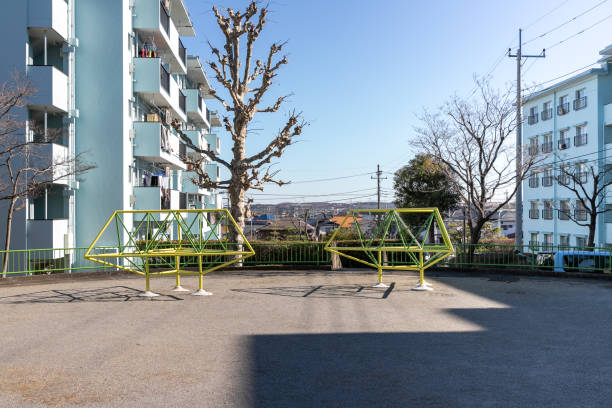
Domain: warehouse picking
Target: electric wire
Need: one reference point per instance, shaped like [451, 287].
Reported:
[546, 14]
[580, 32]
[564, 23]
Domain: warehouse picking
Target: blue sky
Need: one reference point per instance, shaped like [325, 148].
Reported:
[362, 71]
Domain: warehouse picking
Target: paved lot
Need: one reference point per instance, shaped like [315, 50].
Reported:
[308, 339]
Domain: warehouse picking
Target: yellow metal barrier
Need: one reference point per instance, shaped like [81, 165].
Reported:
[152, 243]
[382, 232]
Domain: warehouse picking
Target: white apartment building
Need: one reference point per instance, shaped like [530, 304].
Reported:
[570, 124]
[111, 76]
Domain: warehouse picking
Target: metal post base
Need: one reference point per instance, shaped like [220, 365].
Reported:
[380, 285]
[201, 292]
[426, 283]
[148, 293]
[423, 287]
[180, 289]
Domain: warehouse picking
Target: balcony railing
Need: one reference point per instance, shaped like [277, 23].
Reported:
[582, 177]
[547, 114]
[533, 182]
[182, 101]
[182, 52]
[183, 201]
[563, 179]
[182, 151]
[547, 181]
[534, 244]
[199, 102]
[533, 150]
[563, 109]
[563, 144]
[580, 140]
[547, 214]
[164, 77]
[547, 147]
[580, 103]
[534, 214]
[580, 215]
[532, 119]
[547, 246]
[564, 214]
[164, 17]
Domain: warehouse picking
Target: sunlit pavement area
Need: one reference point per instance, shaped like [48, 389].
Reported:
[308, 339]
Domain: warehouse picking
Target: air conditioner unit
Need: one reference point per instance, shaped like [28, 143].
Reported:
[563, 146]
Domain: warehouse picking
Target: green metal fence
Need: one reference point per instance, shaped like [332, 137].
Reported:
[467, 257]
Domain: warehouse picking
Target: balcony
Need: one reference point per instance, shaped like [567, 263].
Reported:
[156, 198]
[533, 182]
[582, 177]
[563, 109]
[213, 143]
[563, 214]
[157, 144]
[51, 14]
[534, 214]
[156, 86]
[196, 108]
[196, 74]
[52, 88]
[580, 140]
[547, 147]
[547, 181]
[546, 114]
[547, 214]
[47, 233]
[533, 150]
[152, 20]
[580, 215]
[563, 144]
[52, 154]
[188, 186]
[213, 172]
[532, 119]
[563, 179]
[580, 103]
[213, 118]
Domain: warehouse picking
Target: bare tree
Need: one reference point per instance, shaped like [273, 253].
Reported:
[588, 183]
[245, 80]
[26, 167]
[472, 140]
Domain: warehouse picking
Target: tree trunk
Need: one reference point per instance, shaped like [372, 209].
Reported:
[236, 196]
[592, 225]
[7, 244]
[475, 233]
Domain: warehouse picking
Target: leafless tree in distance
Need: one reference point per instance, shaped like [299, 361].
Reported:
[472, 139]
[26, 165]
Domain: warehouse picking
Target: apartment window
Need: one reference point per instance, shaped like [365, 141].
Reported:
[581, 175]
[564, 141]
[581, 136]
[564, 241]
[547, 178]
[533, 146]
[533, 240]
[564, 210]
[547, 212]
[581, 242]
[548, 143]
[533, 180]
[563, 107]
[564, 175]
[547, 111]
[533, 211]
[533, 115]
[580, 213]
[548, 242]
[581, 100]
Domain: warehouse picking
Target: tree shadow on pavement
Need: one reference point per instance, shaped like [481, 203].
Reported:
[107, 294]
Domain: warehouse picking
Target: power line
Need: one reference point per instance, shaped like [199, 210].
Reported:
[546, 15]
[331, 178]
[580, 32]
[564, 23]
[560, 76]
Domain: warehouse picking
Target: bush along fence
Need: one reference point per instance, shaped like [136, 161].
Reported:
[528, 257]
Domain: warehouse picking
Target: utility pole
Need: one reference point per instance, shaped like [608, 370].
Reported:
[518, 234]
[378, 178]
